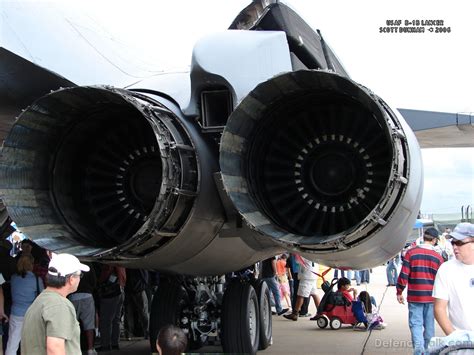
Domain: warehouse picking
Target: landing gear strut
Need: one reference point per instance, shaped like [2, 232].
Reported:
[236, 313]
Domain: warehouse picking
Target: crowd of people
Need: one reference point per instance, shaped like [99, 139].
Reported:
[437, 270]
[48, 295]
[439, 286]
[109, 302]
[293, 279]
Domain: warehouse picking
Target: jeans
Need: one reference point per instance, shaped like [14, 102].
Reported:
[109, 320]
[14, 334]
[275, 289]
[357, 277]
[136, 304]
[421, 322]
[85, 309]
[392, 274]
[364, 276]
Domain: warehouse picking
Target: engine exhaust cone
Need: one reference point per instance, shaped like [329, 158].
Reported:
[93, 166]
[309, 155]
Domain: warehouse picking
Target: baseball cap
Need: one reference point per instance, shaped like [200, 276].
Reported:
[65, 264]
[462, 231]
[432, 232]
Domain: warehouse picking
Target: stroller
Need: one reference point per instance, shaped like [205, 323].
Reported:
[335, 310]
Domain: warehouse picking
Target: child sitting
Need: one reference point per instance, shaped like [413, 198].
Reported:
[344, 286]
[375, 321]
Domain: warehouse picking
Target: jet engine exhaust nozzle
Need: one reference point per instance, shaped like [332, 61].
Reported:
[87, 168]
[310, 156]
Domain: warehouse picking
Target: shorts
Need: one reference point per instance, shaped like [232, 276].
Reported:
[306, 288]
[85, 312]
[284, 289]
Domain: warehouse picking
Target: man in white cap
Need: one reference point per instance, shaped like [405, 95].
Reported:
[50, 325]
[454, 284]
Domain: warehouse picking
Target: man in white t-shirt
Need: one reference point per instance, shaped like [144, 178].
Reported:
[454, 284]
[306, 288]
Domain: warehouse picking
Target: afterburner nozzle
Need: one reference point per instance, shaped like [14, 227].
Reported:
[308, 157]
[85, 169]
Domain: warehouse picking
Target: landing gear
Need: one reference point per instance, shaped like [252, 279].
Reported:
[265, 309]
[236, 313]
[169, 303]
[240, 319]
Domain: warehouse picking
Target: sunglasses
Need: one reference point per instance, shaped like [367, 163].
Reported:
[460, 243]
[78, 275]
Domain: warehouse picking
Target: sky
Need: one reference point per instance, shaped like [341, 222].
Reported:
[449, 180]
[426, 71]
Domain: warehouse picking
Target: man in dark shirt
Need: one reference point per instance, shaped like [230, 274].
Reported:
[269, 276]
[83, 302]
[111, 304]
[136, 302]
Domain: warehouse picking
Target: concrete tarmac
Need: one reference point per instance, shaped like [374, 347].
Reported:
[304, 336]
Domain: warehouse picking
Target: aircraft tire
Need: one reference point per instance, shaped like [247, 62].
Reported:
[168, 302]
[240, 319]
[265, 312]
